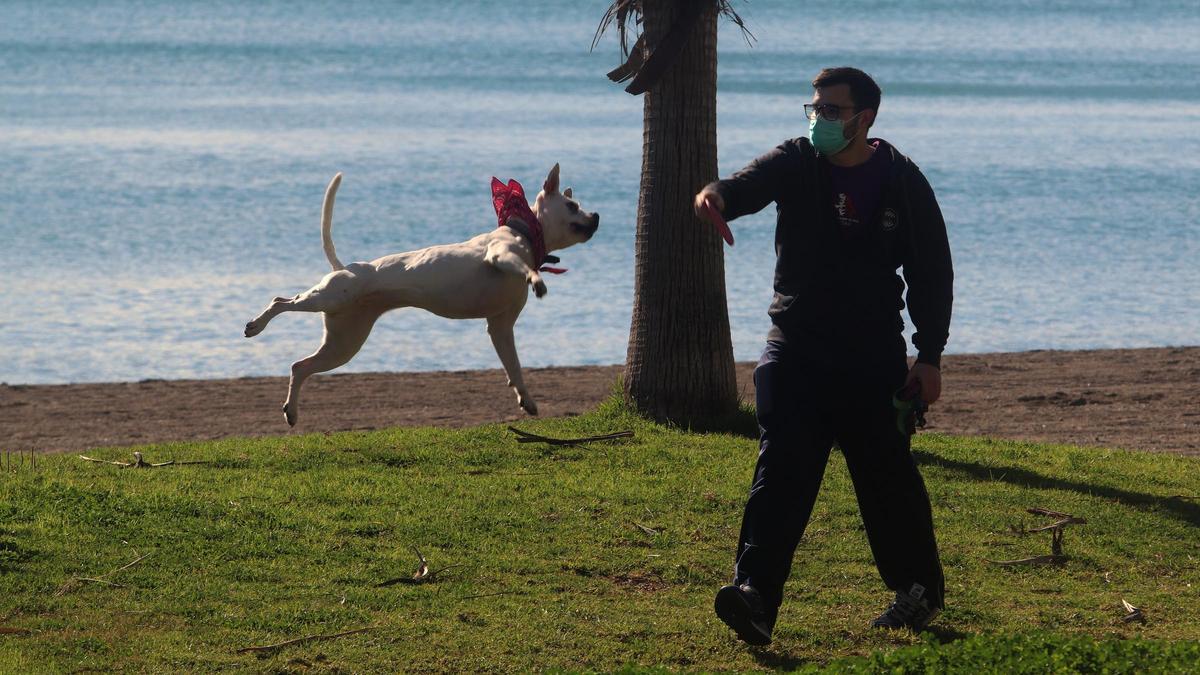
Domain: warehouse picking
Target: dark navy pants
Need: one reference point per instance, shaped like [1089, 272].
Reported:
[804, 408]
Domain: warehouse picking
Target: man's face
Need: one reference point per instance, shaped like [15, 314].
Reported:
[839, 95]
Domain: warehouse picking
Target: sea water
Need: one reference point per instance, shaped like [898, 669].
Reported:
[162, 166]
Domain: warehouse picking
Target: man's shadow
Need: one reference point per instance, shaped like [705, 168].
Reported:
[769, 657]
[1180, 508]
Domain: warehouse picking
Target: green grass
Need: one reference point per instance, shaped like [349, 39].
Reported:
[595, 558]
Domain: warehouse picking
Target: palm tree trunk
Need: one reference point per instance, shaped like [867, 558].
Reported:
[680, 361]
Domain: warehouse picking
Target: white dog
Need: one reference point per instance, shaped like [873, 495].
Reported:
[486, 277]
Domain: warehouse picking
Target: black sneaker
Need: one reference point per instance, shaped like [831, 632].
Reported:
[741, 608]
[909, 610]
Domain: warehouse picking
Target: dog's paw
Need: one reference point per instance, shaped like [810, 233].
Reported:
[289, 414]
[539, 288]
[252, 328]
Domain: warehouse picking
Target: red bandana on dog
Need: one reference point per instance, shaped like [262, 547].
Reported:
[509, 201]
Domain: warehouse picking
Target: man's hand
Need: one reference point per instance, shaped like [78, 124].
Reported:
[930, 379]
[712, 196]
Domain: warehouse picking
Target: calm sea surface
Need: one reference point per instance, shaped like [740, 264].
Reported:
[162, 166]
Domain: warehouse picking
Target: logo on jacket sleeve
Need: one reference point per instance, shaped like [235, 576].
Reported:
[890, 220]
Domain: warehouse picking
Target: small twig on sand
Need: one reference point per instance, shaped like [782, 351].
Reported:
[301, 640]
[1132, 613]
[526, 437]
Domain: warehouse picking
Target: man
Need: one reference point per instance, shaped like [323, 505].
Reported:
[851, 211]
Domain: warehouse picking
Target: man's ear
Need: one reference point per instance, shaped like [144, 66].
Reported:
[567, 193]
[869, 118]
[551, 185]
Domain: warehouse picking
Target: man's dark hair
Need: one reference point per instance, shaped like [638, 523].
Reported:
[863, 90]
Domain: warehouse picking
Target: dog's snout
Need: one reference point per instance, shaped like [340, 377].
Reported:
[595, 221]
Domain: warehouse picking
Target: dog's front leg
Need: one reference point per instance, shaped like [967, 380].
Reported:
[503, 258]
[500, 328]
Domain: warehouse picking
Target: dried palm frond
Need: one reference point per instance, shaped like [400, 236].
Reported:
[622, 11]
[725, 9]
[619, 12]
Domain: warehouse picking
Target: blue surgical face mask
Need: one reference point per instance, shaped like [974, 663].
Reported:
[827, 135]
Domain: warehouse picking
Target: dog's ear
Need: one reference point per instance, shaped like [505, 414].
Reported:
[567, 193]
[551, 185]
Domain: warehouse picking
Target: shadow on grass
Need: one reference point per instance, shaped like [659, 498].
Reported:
[777, 660]
[1182, 509]
[945, 635]
[741, 422]
[783, 660]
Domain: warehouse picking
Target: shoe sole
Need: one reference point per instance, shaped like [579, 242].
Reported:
[733, 609]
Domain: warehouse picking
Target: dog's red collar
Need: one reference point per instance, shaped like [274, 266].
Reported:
[511, 205]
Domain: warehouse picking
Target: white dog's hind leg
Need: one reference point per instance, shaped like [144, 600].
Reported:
[500, 328]
[344, 336]
[333, 292]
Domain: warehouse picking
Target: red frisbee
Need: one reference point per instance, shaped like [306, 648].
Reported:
[715, 216]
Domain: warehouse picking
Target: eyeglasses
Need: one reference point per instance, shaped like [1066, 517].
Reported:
[828, 111]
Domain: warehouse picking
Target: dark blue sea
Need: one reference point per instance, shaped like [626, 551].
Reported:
[162, 166]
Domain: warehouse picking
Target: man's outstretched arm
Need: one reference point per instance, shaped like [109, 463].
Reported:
[750, 189]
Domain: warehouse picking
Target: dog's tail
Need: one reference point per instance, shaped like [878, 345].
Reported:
[327, 223]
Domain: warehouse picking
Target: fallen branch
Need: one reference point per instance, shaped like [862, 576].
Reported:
[526, 437]
[139, 462]
[301, 640]
[9, 630]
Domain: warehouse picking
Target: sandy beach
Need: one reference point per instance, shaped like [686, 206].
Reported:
[1143, 399]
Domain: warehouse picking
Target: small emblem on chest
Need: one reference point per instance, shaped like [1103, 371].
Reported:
[890, 220]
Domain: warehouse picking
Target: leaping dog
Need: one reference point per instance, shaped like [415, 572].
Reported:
[486, 277]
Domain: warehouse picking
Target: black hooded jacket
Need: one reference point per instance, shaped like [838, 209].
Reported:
[837, 293]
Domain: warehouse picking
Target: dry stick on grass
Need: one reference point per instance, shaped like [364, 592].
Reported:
[1132, 613]
[139, 462]
[648, 530]
[1056, 556]
[422, 576]
[75, 582]
[301, 640]
[526, 437]
[488, 595]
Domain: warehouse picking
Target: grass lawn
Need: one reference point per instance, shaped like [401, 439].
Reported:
[596, 557]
